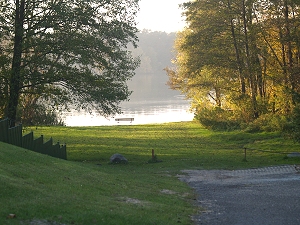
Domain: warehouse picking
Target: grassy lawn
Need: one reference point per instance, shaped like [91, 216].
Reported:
[86, 189]
[183, 145]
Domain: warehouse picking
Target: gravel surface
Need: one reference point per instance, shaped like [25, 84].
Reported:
[266, 196]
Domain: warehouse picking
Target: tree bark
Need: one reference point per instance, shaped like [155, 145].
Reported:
[15, 79]
[289, 51]
[249, 63]
[237, 54]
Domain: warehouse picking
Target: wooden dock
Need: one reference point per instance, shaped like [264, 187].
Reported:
[124, 120]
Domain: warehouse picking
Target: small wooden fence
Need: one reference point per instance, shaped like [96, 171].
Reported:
[14, 136]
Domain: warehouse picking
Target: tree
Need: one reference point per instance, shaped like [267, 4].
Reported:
[205, 61]
[249, 47]
[70, 53]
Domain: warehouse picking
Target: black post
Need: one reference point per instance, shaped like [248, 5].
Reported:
[245, 155]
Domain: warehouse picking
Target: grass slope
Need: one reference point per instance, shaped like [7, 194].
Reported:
[36, 187]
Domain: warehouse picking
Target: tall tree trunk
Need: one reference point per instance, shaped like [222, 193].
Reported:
[289, 52]
[237, 53]
[256, 67]
[218, 97]
[287, 106]
[15, 79]
[249, 66]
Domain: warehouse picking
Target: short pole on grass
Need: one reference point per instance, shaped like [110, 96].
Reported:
[154, 158]
[245, 155]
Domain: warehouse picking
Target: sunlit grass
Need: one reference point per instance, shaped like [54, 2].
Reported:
[179, 145]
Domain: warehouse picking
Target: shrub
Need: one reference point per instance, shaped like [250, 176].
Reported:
[266, 122]
[217, 119]
[292, 126]
[39, 114]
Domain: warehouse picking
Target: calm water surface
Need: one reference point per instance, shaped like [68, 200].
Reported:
[144, 112]
[151, 102]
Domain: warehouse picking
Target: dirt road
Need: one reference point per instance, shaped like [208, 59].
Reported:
[266, 196]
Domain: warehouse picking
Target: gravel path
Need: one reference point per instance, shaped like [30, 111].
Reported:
[267, 196]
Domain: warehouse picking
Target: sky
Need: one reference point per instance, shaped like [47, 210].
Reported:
[160, 15]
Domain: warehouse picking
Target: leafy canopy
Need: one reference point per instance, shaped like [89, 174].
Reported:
[72, 52]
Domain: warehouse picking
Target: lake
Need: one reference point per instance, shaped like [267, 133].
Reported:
[151, 102]
[146, 112]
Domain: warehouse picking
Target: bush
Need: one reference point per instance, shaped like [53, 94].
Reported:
[217, 119]
[267, 122]
[226, 120]
[38, 114]
[292, 126]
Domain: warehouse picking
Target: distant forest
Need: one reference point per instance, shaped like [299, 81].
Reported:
[156, 50]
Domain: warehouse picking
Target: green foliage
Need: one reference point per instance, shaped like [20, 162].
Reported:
[217, 119]
[38, 114]
[226, 120]
[70, 53]
[292, 127]
[4, 69]
[33, 110]
[242, 107]
[267, 123]
[229, 57]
